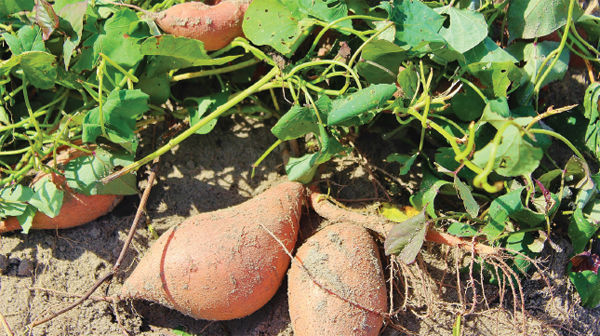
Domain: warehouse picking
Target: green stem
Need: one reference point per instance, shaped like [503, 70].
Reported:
[555, 54]
[580, 39]
[325, 62]
[187, 133]
[11, 95]
[120, 68]
[561, 138]
[205, 73]
[32, 118]
[264, 155]
[100, 75]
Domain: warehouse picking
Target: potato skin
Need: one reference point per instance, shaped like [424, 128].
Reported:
[222, 265]
[344, 259]
[215, 25]
[77, 209]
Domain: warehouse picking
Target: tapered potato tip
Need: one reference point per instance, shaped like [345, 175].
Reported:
[223, 264]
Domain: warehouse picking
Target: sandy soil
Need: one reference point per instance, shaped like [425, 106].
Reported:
[211, 172]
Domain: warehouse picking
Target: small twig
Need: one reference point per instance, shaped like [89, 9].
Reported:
[71, 295]
[7, 329]
[117, 264]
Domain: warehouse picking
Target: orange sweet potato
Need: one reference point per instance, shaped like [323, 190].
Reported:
[336, 284]
[77, 209]
[223, 264]
[215, 25]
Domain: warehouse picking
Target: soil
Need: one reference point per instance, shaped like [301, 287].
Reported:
[40, 270]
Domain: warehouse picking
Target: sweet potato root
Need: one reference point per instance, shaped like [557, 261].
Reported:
[77, 209]
[224, 264]
[336, 284]
[215, 25]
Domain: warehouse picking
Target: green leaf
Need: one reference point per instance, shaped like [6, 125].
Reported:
[515, 155]
[510, 206]
[120, 111]
[587, 284]
[496, 76]
[418, 25]
[592, 112]
[534, 54]
[459, 229]
[157, 86]
[26, 218]
[39, 68]
[467, 28]
[298, 121]
[28, 38]
[171, 52]
[488, 51]
[467, 105]
[381, 61]
[408, 79]
[520, 242]
[280, 24]
[47, 198]
[326, 10]
[534, 18]
[118, 41]
[303, 169]
[581, 229]
[590, 102]
[428, 190]
[203, 107]
[406, 161]
[46, 18]
[73, 12]
[9, 7]
[406, 238]
[12, 200]
[84, 174]
[360, 102]
[465, 194]
[496, 112]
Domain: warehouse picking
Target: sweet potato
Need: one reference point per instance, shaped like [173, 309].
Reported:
[224, 264]
[336, 284]
[77, 209]
[215, 25]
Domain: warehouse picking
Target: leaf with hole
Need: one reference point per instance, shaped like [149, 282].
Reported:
[417, 25]
[467, 28]
[281, 24]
